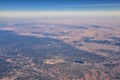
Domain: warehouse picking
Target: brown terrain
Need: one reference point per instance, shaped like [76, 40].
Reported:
[97, 36]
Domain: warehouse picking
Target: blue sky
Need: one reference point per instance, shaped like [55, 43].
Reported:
[58, 5]
[28, 8]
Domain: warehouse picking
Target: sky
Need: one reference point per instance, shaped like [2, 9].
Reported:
[60, 7]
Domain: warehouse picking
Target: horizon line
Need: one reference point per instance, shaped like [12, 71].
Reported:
[58, 13]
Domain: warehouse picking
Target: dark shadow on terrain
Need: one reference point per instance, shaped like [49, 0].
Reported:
[75, 27]
[39, 49]
[116, 41]
[89, 40]
[35, 47]
[4, 66]
[96, 26]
